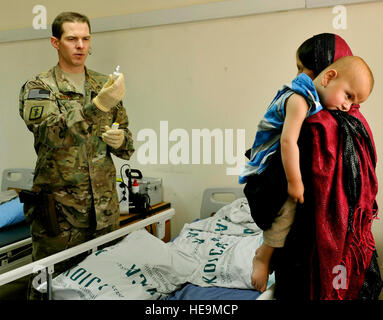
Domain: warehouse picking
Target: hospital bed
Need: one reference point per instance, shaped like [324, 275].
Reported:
[202, 262]
[213, 199]
[15, 238]
[16, 243]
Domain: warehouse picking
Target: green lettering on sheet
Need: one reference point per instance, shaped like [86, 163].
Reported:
[221, 227]
[212, 252]
[132, 271]
[80, 272]
[211, 280]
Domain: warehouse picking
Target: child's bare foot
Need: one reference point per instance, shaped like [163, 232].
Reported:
[260, 274]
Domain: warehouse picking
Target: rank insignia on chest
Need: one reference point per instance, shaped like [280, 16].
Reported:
[36, 112]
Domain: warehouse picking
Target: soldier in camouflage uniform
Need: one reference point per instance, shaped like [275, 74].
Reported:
[73, 141]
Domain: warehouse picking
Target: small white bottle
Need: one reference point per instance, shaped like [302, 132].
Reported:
[114, 126]
[116, 72]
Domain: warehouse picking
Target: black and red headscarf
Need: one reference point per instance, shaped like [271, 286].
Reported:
[330, 247]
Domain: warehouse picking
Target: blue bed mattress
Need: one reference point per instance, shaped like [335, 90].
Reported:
[193, 292]
[14, 233]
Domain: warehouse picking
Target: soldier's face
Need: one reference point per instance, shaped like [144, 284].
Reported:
[73, 47]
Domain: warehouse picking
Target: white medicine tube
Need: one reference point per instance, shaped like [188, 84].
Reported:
[116, 72]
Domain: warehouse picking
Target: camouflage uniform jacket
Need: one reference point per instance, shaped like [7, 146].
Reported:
[72, 160]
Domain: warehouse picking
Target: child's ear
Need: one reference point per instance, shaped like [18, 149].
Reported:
[329, 75]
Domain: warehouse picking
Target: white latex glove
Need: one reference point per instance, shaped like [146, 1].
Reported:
[111, 93]
[113, 138]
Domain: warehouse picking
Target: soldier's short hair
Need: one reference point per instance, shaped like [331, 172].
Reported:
[57, 30]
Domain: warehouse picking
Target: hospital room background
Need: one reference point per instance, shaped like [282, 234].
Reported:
[192, 68]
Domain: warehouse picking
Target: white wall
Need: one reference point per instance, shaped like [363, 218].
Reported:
[210, 74]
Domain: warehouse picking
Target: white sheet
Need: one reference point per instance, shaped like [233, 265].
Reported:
[7, 195]
[217, 251]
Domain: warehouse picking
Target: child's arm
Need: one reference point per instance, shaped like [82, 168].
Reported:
[296, 110]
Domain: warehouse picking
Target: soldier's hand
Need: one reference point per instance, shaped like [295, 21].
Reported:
[113, 138]
[111, 93]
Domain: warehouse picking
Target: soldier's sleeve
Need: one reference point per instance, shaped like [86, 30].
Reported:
[36, 103]
[92, 113]
[127, 148]
[51, 126]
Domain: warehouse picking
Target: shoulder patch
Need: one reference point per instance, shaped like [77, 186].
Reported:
[38, 94]
[36, 112]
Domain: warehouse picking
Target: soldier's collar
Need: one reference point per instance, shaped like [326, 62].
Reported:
[65, 86]
[62, 83]
[90, 82]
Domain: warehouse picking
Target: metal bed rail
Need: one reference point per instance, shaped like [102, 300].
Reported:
[47, 264]
[15, 245]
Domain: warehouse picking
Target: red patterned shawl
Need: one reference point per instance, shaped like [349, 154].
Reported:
[335, 245]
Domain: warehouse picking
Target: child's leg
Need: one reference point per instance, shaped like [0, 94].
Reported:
[272, 238]
[261, 266]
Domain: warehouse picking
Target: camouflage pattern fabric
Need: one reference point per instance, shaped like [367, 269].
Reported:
[72, 161]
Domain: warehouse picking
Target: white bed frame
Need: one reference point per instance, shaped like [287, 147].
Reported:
[47, 264]
[17, 178]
